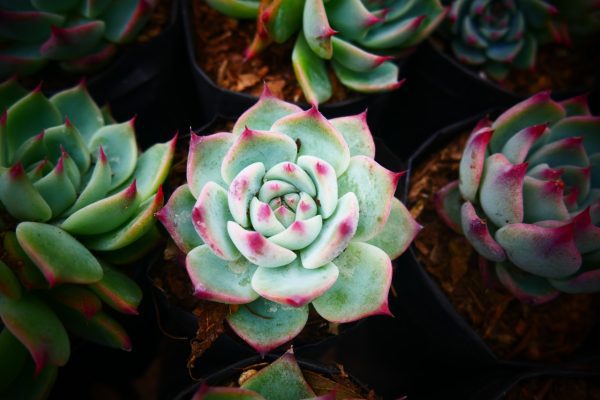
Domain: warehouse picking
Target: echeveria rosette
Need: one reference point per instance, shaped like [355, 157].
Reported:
[528, 197]
[81, 35]
[497, 35]
[289, 209]
[75, 196]
[282, 379]
[358, 37]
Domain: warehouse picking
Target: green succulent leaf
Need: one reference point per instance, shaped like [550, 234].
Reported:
[60, 257]
[118, 290]
[362, 286]
[243, 9]
[36, 326]
[13, 360]
[9, 283]
[280, 380]
[311, 72]
[265, 325]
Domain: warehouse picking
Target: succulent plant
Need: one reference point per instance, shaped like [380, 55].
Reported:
[81, 35]
[286, 210]
[71, 183]
[528, 197]
[357, 36]
[282, 379]
[499, 34]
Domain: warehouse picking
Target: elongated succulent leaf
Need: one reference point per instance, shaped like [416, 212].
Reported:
[118, 290]
[176, 217]
[72, 41]
[60, 257]
[124, 19]
[316, 29]
[9, 283]
[243, 9]
[37, 328]
[311, 72]
[20, 198]
[77, 298]
[379, 79]
[103, 215]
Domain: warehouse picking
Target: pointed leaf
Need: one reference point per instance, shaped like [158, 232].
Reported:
[374, 187]
[264, 113]
[37, 328]
[97, 186]
[176, 217]
[549, 252]
[19, 124]
[258, 249]
[477, 233]
[77, 105]
[543, 200]
[132, 231]
[356, 133]
[316, 137]
[118, 142]
[501, 192]
[536, 110]
[56, 189]
[380, 79]
[399, 231]
[362, 287]
[204, 160]
[335, 235]
[251, 146]
[281, 380]
[209, 216]
[20, 198]
[317, 31]
[311, 72]
[264, 325]
[118, 290]
[218, 280]
[72, 41]
[103, 215]
[471, 163]
[351, 18]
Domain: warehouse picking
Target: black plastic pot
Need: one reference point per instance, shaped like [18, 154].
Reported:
[149, 80]
[217, 101]
[452, 339]
[232, 372]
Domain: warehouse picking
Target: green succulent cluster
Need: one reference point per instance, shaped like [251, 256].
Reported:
[81, 35]
[76, 197]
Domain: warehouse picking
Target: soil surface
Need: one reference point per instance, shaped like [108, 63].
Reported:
[55, 78]
[220, 45]
[556, 388]
[513, 330]
[558, 68]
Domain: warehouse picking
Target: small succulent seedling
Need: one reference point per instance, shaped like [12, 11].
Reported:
[81, 35]
[282, 379]
[287, 210]
[528, 197]
[75, 197]
[357, 36]
[498, 35]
